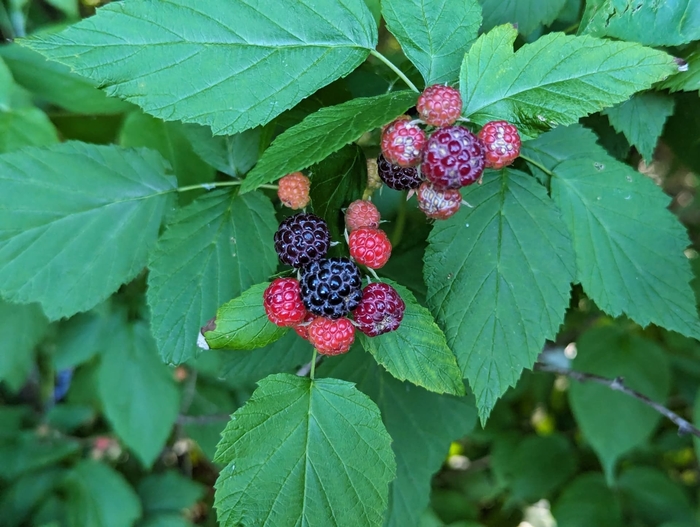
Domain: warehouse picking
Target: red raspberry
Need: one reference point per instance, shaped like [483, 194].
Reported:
[439, 105]
[403, 142]
[361, 213]
[293, 190]
[380, 311]
[331, 337]
[453, 158]
[303, 328]
[283, 304]
[370, 247]
[501, 142]
[438, 203]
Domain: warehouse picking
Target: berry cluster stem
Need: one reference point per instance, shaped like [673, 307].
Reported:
[312, 373]
[396, 70]
[218, 184]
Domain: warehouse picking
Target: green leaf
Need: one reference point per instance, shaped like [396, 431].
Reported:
[242, 324]
[283, 355]
[214, 249]
[302, 451]
[89, 214]
[69, 417]
[137, 391]
[654, 497]
[81, 338]
[167, 519]
[20, 454]
[7, 86]
[696, 422]
[641, 119]
[528, 15]
[234, 154]
[434, 34]
[18, 500]
[587, 501]
[614, 423]
[22, 328]
[69, 8]
[555, 80]
[498, 278]
[324, 132]
[669, 23]
[252, 61]
[25, 127]
[168, 492]
[338, 180]
[535, 466]
[56, 84]
[170, 141]
[99, 496]
[417, 352]
[421, 449]
[686, 80]
[629, 247]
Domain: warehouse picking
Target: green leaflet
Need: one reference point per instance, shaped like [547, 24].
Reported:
[620, 225]
[417, 351]
[498, 278]
[555, 80]
[527, 14]
[22, 328]
[434, 34]
[325, 132]
[100, 211]
[275, 55]
[213, 250]
[242, 324]
[587, 501]
[304, 451]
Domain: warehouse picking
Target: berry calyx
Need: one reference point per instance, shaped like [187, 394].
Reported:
[403, 142]
[293, 190]
[396, 177]
[453, 157]
[438, 203]
[380, 311]
[302, 329]
[361, 213]
[331, 287]
[331, 337]
[439, 105]
[302, 239]
[282, 302]
[501, 143]
[370, 247]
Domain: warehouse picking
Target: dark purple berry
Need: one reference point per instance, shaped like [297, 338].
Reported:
[396, 177]
[302, 239]
[380, 311]
[331, 287]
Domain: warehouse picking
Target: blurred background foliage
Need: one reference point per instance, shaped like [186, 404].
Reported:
[81, 445]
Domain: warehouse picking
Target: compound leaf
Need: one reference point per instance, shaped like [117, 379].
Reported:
[498, 278]
[555, 80]
[303, 451]
[434, 34]
[85, 213]
[252, 60]
[214, 249]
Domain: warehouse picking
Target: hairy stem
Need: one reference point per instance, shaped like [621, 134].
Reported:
[312, 373]
[396, 70]
[618, 385]
[218, 184]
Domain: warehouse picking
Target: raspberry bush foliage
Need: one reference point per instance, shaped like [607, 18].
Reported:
[349, 262]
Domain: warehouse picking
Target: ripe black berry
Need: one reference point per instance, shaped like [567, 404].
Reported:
[302, 239]
[331, 287]
[396, 177]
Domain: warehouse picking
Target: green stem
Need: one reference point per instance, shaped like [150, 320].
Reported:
[400, 224]
[217, 184]
[396, 70]
[538, 165]
[312, 373]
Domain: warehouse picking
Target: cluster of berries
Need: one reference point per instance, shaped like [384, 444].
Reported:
[437, 165]
[328, 290]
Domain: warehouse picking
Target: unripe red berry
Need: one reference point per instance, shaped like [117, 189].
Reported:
[293, 190]
[361, 213]
[331, 337]
[439, 105]
[370, 247]
[283, 303]
[403, 142]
